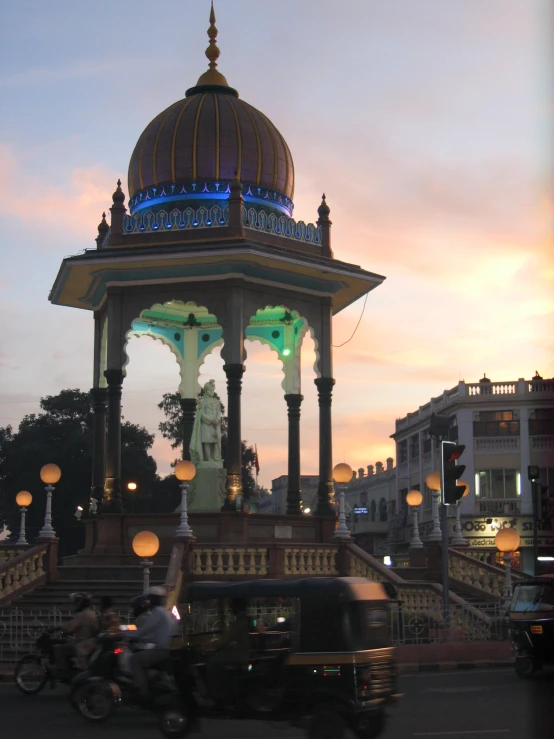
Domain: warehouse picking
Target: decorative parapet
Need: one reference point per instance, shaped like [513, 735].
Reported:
[260, 220]
[230, 560]
[176, 220]
[500, 445]
[540, 443]
[23, 572]
[310, 561]
[520, 388]
[488, 579]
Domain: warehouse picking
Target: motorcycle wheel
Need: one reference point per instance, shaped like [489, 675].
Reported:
[96, 702]
[30, 674]
[173, 723]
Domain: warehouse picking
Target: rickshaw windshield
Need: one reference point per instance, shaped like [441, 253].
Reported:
[368, 624]
[533, 597]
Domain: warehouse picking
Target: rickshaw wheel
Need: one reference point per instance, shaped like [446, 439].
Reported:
[525, 667]
[328, 725]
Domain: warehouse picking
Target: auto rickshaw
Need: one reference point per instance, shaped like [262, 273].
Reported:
[319, 655]
[531, 624]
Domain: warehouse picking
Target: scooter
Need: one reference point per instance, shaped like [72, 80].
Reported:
[109, 683]
[34, 670]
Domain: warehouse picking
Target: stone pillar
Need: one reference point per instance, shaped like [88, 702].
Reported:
[325, 224]
[325, 491]
[112, 500]
[188, 407]
[294, 494]
[99, 399]
[233, 460]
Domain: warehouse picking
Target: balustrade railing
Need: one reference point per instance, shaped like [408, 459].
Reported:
[542, 442]
[490, 580]
[310, 561]
[26, 570]
[499, 445]
[9, 552]
[225, 561]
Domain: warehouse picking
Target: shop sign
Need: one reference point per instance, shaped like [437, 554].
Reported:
[360, 511]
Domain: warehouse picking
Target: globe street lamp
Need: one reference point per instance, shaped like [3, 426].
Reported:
[49, 474]
[342, 474]
[414, 500]
[185, 471]
[433, 482]
[132, 486]
[507, 541]
[146, 545]
[23, 500]
[458, 539]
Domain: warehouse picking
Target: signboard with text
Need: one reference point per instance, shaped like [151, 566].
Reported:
[478, 533]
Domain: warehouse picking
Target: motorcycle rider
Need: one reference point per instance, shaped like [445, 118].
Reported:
[84, 627]
[156, 628]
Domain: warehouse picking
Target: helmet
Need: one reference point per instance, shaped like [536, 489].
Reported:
[156, 595]
[140, 605]
[80, 601]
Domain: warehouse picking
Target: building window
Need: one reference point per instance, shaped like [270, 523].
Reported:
[372, 511]
[542, 422]
[403, 451]
[496, 423]
[383, 510]
[414, 447]
[498, 483]
[426, 443]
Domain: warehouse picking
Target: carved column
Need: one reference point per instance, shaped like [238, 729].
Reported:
[325, 491]
[188, 407]
[233, 460]
[294, 497]
[99, 399]
[112, 500]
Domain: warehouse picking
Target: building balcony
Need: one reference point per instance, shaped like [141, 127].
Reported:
[499, 507]
[497, 444]
[541, 443]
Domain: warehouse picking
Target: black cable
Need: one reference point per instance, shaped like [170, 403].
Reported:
[338, 346]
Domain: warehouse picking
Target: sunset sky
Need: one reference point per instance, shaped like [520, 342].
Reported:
[428, 124]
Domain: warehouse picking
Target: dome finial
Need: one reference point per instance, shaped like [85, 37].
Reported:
[212, 52]
[212, 76]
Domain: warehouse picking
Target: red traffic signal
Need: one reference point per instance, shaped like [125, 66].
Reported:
[451, 472]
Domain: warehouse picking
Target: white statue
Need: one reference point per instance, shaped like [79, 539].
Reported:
[205, 442]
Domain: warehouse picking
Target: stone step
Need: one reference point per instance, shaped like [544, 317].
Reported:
[83, 574]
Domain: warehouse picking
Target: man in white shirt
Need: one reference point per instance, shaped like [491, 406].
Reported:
[157, 629]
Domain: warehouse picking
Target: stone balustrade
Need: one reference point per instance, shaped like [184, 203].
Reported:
[230, 561]
[28, 569]
[9, 551]
[488, 579]
[303, 561]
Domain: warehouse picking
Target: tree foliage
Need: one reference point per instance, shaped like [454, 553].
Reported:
[63, 434]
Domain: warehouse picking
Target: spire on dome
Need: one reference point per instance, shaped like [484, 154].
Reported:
[212, 76]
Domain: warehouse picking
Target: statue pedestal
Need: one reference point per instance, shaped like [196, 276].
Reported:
[207, 490]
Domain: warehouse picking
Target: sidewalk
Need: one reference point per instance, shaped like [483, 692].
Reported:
[453, 656]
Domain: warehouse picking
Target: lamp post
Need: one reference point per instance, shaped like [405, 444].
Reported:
[146, 545]
[49, 474]
[414, 500]
[342, 474]
[507, 541]
[23, 500]
[185, 471]
[458, 539]
[433, 482]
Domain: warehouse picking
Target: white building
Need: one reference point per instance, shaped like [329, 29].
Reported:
[505, 426]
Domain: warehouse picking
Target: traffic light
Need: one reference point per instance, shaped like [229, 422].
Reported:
[451, 472]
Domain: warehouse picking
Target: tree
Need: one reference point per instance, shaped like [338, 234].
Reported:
[172, 429]
[63, 434]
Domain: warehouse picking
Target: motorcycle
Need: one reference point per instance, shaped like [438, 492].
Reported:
[34, 670]
[108, 683]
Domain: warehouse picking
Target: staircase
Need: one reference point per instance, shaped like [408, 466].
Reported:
[23, 618]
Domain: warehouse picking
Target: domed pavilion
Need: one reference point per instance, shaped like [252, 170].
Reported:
[208, 254]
